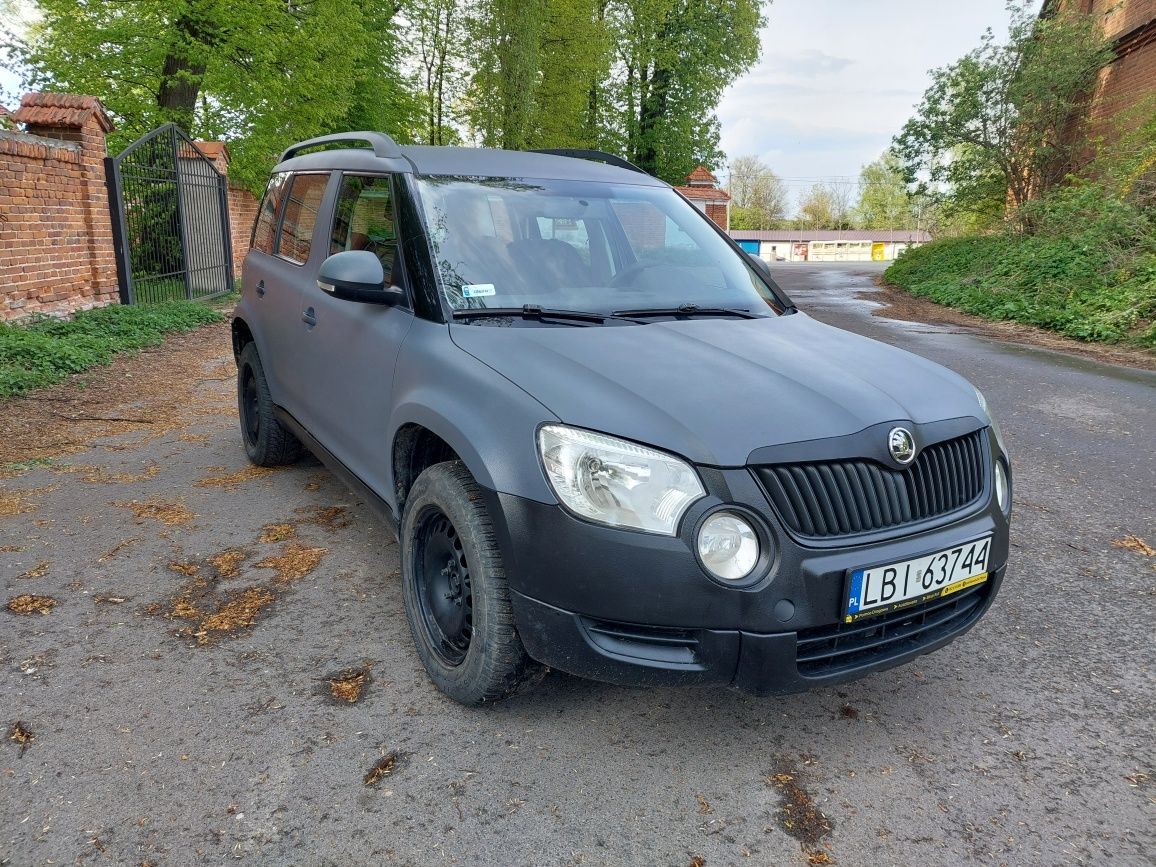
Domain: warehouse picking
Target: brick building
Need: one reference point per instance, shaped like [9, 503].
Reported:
[1126, 90]
[703, 191]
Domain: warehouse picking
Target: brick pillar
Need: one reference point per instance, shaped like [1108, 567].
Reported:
[102, 256]
[57, 236]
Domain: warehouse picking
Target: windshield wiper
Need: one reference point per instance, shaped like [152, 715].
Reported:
[535, 312]
[690, 310]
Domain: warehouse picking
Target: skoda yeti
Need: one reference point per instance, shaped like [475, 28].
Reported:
[606, 439]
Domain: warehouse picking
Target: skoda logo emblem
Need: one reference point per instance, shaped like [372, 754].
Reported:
[901, 444]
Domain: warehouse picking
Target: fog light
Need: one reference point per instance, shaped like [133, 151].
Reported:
[1002, 489]
[728, 546]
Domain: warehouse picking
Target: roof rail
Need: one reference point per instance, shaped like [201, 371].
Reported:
[597, 156]
[383, 145]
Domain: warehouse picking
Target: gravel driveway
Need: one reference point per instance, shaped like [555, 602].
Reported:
[223, 671]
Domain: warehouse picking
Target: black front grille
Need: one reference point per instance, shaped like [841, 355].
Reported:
[828, 650]
[845, 497]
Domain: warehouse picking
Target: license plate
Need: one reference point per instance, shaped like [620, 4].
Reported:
[882, 589]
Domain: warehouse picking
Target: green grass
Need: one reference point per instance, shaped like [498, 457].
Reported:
[1087, 271]
[45, 350]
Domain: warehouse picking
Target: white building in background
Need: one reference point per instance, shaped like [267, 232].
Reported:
[828, 245]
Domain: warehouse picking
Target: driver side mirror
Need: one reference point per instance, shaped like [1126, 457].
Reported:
[357, 275]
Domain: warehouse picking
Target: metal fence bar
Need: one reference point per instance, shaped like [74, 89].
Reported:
[169, 208]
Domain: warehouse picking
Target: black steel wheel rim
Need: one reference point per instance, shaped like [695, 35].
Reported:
[250, 413]
[444, 591]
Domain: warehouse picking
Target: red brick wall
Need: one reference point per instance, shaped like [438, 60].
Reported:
[1126, 90]
[1125, 93]
[718, 213]
[242, 215]
[56, 253]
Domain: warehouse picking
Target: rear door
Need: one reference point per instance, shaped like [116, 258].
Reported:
[272, 298]
[347, 353]
[281, 275]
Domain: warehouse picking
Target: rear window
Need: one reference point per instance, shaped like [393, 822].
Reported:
[266, 227]
[301, 207]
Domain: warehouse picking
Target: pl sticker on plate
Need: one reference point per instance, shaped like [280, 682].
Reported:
[478, 290]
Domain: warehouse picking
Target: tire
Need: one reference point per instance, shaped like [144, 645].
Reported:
[267, 442]
[459, 615]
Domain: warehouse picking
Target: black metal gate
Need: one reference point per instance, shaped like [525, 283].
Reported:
[170, 220]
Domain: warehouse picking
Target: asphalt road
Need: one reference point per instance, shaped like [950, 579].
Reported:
[163, 736]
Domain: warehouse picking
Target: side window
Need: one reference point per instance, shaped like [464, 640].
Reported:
[301, 207]
[364, 220]
[266, 224]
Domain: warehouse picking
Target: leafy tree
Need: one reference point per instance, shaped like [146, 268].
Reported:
[674, 59]
[825, 206]
[436, 33]
[1003, 121]
[261, 72]
[758, 195]
[575, 58]
[817, 208]
[507, 42]
[884, 202]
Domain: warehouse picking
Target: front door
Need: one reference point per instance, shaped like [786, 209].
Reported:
[347, 349]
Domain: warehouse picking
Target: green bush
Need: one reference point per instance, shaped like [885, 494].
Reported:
[1081, 262]
[45, 350]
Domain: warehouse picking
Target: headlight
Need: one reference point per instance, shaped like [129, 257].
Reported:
[617, 482]
[1002, 488]
[728, 546]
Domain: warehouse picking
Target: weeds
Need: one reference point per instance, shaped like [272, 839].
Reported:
[1086, 270]
[44, 350]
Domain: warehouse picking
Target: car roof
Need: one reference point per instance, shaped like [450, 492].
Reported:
[430, 160]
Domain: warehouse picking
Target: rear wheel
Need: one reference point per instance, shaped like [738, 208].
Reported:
[456, 598]
[267, 442]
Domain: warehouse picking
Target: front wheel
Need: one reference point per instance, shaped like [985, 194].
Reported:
[456, 598]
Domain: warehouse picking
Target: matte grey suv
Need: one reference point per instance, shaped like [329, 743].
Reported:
[607, 441]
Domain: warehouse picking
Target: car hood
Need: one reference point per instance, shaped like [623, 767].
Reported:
[714, 390]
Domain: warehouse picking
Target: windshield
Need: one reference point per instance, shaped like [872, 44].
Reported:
[578, 245]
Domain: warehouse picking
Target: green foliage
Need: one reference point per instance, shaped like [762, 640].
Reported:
[758, 195]
[260, 73]
[675, 58]
[1088, 270]
[1004, 119]
[638, 77]
[825, 206]
[45, 350]
[884, 202]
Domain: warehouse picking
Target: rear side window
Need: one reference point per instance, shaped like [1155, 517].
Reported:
[265, 229]
[301, 206]
[364, 220]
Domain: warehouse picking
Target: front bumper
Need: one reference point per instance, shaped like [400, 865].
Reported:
[755, 663]
[637, 609]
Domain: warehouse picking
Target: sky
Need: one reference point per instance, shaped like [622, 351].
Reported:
[838, 78]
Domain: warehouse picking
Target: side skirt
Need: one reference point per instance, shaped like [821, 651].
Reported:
[335, 466]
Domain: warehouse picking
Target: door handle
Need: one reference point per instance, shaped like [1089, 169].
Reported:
[260, 288]
[309, 317]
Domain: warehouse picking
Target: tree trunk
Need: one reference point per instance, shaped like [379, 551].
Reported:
[651, 111]
[180, 86]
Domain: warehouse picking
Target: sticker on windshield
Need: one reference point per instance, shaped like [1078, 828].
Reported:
[478, 290]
